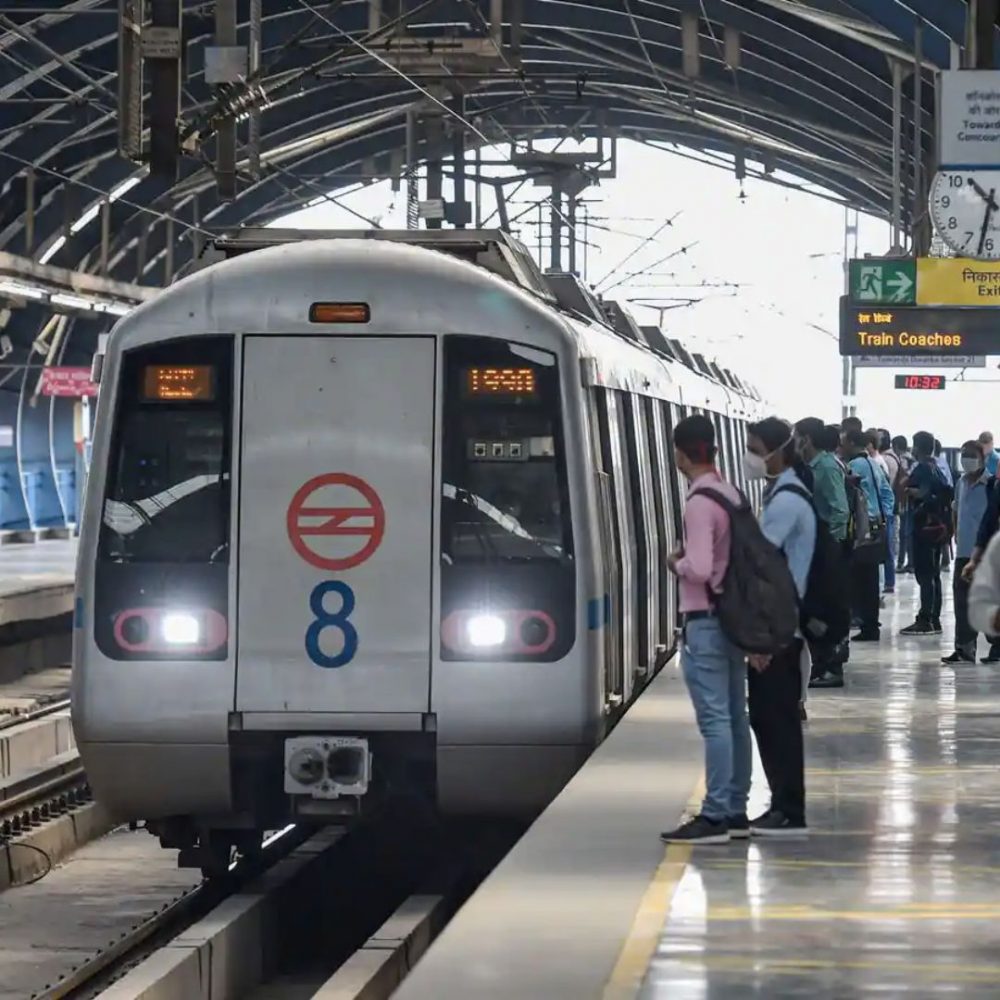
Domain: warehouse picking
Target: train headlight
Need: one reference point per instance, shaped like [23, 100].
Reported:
[179, 628]
[484, 631]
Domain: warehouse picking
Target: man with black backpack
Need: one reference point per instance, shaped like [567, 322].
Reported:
[931, 496]
[789, 522]
[714, 668]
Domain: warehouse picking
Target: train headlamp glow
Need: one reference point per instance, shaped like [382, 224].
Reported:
[179, 628]
[484, 631]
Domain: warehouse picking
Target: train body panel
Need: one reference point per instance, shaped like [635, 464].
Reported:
[419, 538]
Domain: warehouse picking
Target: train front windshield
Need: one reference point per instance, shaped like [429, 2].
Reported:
[165, 526]
[508, 572]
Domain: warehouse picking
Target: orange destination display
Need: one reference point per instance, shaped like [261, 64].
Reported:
[500, 382]
[178, 383]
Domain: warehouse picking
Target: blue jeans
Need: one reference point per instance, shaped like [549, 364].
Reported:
[892, 525]
[716, 677]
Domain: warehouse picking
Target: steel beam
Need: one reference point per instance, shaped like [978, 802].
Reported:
[62, 279]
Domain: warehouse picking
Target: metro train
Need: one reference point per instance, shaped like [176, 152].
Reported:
[373, 515]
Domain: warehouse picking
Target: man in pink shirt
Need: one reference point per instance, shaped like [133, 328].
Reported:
[714, 670]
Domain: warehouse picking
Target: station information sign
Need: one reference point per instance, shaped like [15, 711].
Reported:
[917, 330]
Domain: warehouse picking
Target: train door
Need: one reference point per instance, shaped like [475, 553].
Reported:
[614, 683]
[646, 531]
[335, 545]
[661, 461]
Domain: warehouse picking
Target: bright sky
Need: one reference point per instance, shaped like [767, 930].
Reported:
[772, 268]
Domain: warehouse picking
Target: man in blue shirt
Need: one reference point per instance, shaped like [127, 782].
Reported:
[989, 453]
[930, 494]
[971, 495]
[881, 503]
[775, 687]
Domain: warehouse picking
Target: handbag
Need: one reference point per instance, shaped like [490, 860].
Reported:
[873, 549]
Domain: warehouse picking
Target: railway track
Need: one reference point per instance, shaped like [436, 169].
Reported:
[337, 914]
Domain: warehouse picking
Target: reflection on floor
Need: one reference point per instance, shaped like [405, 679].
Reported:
[897, 891]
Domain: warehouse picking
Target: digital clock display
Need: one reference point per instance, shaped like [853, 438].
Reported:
[178, 383]
[500, 382]
[919, 381]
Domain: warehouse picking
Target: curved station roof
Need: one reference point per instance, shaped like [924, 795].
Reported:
[801, 86]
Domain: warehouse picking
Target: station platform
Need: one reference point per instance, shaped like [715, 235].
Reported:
[894, 892]
[36, 618]
[36, 580]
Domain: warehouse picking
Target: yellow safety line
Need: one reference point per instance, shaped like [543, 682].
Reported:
[644, 934]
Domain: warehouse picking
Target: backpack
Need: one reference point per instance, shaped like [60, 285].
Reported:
[825, 608]
[758, 605]
[932, 516]
[858, 521]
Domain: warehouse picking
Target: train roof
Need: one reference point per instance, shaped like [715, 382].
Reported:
[289, 267]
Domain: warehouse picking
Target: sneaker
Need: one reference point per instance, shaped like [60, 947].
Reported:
[889, 590]
[775, 823]
[867, 636]
[700, 830]
[919, 628]
[739, 827]
[959, 656]
[936, 627]
[827, 680]
[991, 658]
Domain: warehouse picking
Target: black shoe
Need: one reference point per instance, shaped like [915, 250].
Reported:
[775, 823]
[827, 680]
[991, 658]
[936, 627]
[959, 656]
[700, 830]
[867, 635]
[919, 628]
[739, 827]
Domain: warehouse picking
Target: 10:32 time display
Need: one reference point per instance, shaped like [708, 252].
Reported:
[920, 381]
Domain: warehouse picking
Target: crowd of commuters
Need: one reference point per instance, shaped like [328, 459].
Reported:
[845, 511]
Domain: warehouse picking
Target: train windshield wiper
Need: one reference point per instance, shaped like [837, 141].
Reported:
[125, 517]
[509, 524]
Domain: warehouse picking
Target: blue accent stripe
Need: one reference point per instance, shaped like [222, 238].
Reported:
[598, 612]
[78, 613]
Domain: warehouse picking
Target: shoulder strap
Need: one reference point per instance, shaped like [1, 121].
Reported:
[878, 495]
[799, 491]
[723, 501]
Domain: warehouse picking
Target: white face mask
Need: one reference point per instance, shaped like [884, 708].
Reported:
[970, 464]
[754, 467]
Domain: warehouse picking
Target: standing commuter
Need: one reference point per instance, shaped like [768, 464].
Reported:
[788, 521]
[904, 557]
[866, 559]
[830, 500]
[931, 498]
[941, 461]
[990, 453]
[714, 670]
[988, 527]
[893, 469]
[971, 494]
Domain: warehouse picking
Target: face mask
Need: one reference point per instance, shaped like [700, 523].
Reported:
[754, 467]
[970, 464]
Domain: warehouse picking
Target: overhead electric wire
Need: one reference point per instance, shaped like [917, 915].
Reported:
[645, 242]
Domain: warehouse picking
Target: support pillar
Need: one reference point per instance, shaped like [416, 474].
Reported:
[555, 224]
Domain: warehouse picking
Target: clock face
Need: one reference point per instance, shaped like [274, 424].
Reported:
[965, 210]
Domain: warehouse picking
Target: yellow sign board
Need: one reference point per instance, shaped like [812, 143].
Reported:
[957, 281]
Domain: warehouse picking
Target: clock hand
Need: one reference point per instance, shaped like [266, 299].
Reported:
[986, 224]
[982, 194]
